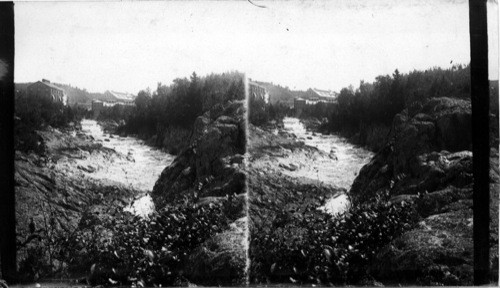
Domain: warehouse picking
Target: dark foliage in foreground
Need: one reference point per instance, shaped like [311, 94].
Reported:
[315, 247]
[119, 248]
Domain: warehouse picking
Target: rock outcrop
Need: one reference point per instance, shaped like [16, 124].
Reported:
[428, 161]
[212, 166]
[212, 169]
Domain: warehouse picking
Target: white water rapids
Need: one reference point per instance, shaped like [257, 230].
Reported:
[139, 168]
[141, 165]
[339, 170]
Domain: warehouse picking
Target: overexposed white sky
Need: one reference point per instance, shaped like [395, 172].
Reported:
[129, 46]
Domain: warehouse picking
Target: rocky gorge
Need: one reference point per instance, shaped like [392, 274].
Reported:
[243, 190]
[71, 199]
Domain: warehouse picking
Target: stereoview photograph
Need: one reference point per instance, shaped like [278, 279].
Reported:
[237, 143]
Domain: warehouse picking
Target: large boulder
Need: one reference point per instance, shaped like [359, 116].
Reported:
[211, 165]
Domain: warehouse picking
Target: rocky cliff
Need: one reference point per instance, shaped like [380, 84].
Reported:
[428, 162]
[212, 166]
[212, 169]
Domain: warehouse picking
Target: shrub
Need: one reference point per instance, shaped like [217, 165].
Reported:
[315, 247]
[128, 249]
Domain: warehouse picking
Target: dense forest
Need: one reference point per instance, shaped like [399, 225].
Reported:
[166, 116]
[379, 101]
[364, 114]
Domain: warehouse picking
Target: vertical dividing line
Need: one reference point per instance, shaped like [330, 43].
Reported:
[7, 192]
[247, 199]
[480, 137]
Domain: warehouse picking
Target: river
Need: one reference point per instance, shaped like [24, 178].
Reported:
[138, 167]
[339, 169]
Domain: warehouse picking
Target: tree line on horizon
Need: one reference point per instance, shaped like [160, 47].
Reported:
[175, 107]
[380, 101]
[365, 113]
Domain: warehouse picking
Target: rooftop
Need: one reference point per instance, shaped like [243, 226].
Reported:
[122, 96]
[255, 84]
[49, 85]
[324, 93]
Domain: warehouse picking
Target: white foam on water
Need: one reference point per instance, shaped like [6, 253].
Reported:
[339, 169]
[137, 165]
[143, 206]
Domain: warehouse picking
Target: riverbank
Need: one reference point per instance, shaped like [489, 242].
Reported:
[410, 221]
[196, 232]
[54, 191]
[297, 183]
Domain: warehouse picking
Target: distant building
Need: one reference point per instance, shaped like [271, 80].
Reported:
[314, 96]
[257, 92]
[121, 99]
[47, 90]
[119, 96]
[325, 95]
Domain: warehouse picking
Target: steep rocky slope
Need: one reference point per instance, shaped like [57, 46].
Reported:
[212, 166]
[428, 162]
[212, 169]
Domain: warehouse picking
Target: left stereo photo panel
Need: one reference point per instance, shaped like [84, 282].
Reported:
[130, 142]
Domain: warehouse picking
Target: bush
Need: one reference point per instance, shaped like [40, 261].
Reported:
[128, 249]
[314, 247]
